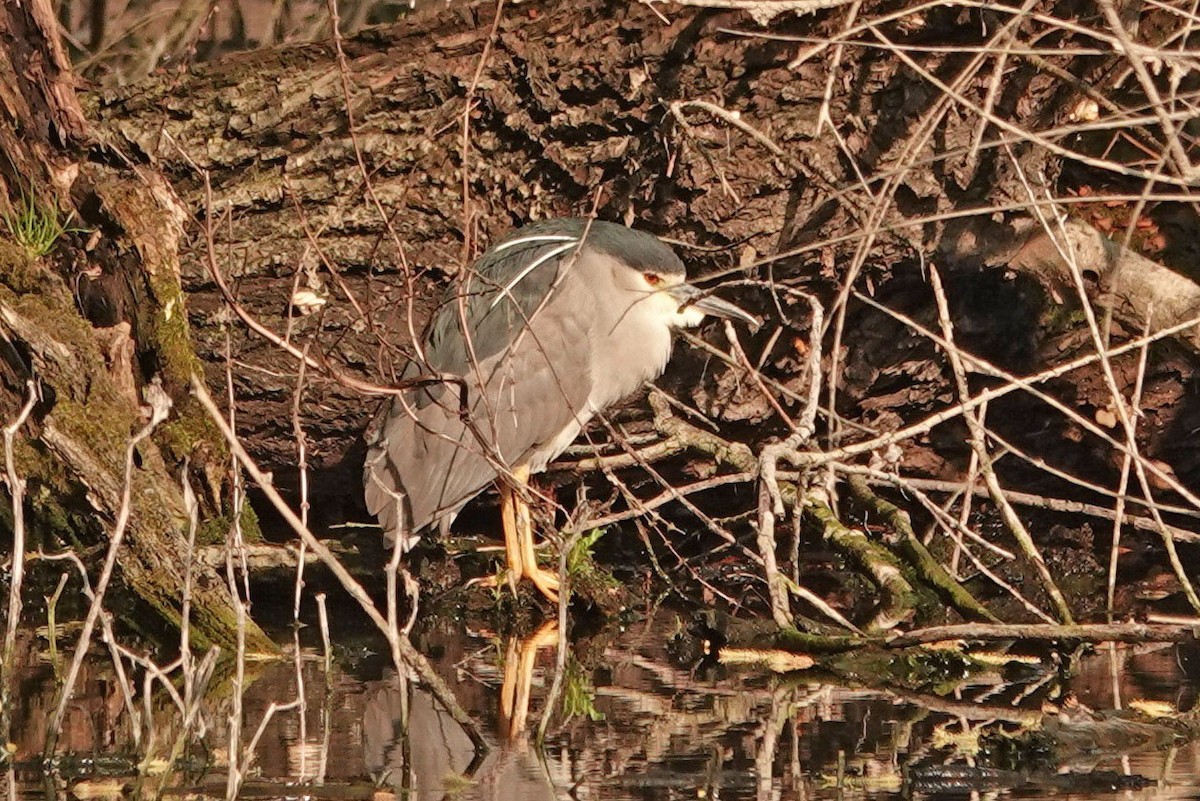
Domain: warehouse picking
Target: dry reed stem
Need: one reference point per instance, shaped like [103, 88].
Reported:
[235, 546]
[323, 622]
[563, 626]
[1123, 481]
[16, 494]
[1099, 489]
[964, 513]
[301, 700]
[192, 507]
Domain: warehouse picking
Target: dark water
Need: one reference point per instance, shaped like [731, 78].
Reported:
[646, 727]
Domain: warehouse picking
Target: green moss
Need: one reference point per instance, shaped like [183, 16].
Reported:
[31, 459]
[21, 273]
[251, 529]
[49, 514]
[190, 434]
[805, 643]
[100, 423]
[939, 670]
[1059, 317]
[213, 530]
[454, 785]
[934, 670]
[169, 333]
[163, 331]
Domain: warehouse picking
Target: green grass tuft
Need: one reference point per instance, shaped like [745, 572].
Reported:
[36, 226]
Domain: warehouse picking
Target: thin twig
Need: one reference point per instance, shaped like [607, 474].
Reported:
[16, 492]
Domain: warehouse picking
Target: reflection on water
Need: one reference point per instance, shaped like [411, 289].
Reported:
[656, 729]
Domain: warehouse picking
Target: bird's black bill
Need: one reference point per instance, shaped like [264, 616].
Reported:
[688, 295]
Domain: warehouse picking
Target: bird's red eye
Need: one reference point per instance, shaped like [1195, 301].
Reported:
[652, 279]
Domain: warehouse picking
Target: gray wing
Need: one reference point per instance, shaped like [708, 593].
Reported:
[533, 369]
[506, 286]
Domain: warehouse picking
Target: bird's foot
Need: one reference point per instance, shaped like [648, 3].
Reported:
[500, 579]
[545, 580]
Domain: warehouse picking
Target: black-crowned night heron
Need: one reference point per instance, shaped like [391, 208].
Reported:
[554, 324]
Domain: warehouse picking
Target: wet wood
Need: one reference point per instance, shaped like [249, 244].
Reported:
[917, 555]
[1086, 632]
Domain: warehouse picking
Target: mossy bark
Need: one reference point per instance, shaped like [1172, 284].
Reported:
[914, 551]
[86, 352]
[80, 433]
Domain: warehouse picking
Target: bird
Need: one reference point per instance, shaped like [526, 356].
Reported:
[554, 324]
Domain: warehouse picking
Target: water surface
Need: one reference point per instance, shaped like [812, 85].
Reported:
[645, 727]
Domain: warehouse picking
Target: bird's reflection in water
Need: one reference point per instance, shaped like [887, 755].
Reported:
[432, 758]
[519, 663]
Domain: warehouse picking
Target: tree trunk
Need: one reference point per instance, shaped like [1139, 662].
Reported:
[369, 181]
[85, 373]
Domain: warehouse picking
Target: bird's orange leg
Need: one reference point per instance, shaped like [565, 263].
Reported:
[512, 535]
[545, 580]
[518, 539]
